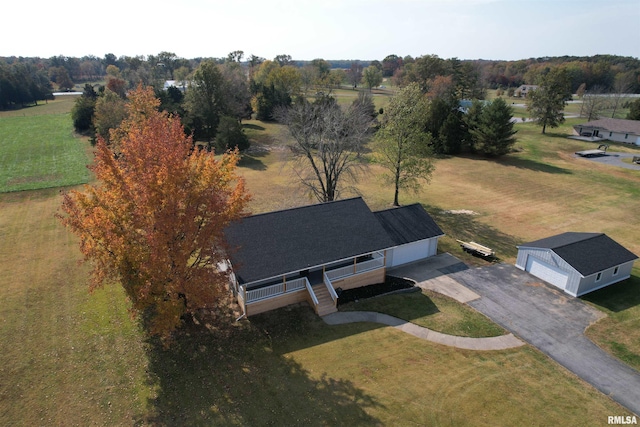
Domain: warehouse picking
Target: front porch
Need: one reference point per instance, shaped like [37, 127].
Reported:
[317, 285]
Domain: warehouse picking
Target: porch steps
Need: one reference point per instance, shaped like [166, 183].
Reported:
[325, 302]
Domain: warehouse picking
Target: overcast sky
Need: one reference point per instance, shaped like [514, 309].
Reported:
[329, 29]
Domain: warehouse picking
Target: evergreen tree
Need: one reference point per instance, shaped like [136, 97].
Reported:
[84, 110]
[493, 132]
[634, 110]
[230, 135]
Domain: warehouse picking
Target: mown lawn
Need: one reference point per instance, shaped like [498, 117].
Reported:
[70, 358]
[618, 332]
[40, 151]
[66, 357]
[431, 310]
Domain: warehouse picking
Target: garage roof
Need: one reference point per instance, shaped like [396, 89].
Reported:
[276, 243]
[588, 253]
[408, 224]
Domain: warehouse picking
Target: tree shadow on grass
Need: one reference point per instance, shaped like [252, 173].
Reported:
[617, 297]
[244, 377]
[521, 163]
[251, 159]
[251, 162]
[406, 306]
[252, 126]
[466, 227]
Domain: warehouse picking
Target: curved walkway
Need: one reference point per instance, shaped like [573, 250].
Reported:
[492, 343]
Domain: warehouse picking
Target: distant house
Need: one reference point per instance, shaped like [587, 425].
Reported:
[577, 263]
[524, 90]
[308, 253]
[178, 84]
[619, 130]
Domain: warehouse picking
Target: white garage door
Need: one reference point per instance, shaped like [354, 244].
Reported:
[546, 272]
[411, 252]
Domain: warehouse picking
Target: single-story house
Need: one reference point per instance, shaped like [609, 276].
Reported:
[619, 130]
[312, 252]
[577, 263]
[524, 90]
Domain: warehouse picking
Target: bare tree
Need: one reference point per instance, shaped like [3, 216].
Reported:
[593, 102]
[355, 73]
[329, 141]
[621, 85]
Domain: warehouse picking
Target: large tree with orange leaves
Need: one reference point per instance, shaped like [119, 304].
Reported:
[154, 221]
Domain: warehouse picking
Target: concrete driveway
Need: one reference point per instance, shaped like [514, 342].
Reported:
[554, 323]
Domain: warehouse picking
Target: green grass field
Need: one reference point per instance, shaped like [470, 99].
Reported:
[431, 310]
[38, 150]
[70, 358]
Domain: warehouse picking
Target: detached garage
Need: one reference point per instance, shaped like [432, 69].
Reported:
[412, 230]
[577, 263]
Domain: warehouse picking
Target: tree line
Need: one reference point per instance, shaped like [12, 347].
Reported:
[23, 84]
[604, 72]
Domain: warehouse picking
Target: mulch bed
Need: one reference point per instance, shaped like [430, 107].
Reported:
[391, 284]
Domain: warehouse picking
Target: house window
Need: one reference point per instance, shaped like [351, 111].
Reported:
[610, 133]
[626, 135]
[596, 132]
[598, 277]
[615, 271]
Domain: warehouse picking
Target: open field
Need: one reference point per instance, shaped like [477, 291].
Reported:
[66, 357]
[540, 190]
[60, 105]
[69, 358]
[38, 149]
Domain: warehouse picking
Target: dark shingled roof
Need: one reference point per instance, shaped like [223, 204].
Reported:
[614, 125]
[588, 253]
[275, 243]
[408, 224]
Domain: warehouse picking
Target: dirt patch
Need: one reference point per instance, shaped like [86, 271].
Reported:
[461, 212]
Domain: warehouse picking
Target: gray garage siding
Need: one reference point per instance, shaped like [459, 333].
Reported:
[576, 284]
[550, 258]
[413, 251]
[589, 283]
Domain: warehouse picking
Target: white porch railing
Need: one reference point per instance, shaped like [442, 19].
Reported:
[274, 290]
[313, 294]
[332, 292]
[337, 273]
[266, 292]
[356, 268]
[372, 264]
[252, 295]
